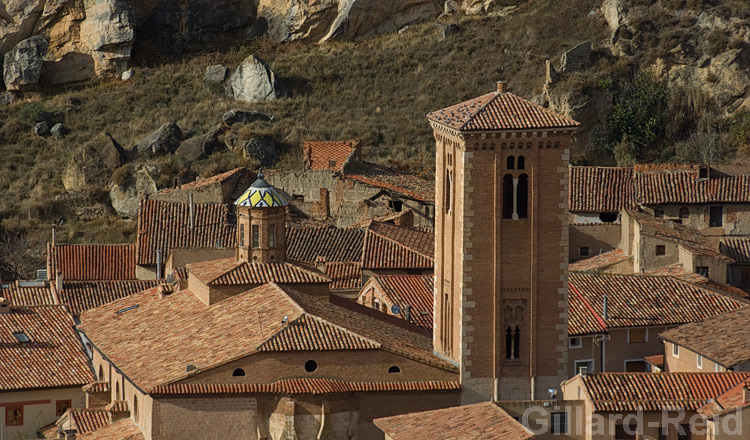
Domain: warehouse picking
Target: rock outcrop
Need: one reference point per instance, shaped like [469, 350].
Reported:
[198, 147]
[254, 81]
[93, 164]
[235, 116]
[136, 186]
[262, 149]
[166, 139]
[22, 66]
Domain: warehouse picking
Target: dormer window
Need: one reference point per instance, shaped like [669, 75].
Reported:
[21, 337]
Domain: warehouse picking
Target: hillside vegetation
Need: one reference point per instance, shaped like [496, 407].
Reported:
[378, 90]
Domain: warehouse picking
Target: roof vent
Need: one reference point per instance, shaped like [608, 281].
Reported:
[502, 86]
[189, 368]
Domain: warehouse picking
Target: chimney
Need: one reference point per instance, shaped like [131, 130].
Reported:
[53, 237]
[59, 281]
[192, 212]
[502, 86]
[4, 305]
[407, 313]
[325, 208]
[158, 264]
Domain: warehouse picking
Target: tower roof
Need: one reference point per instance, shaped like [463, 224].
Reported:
[261, 195]
[499, 111]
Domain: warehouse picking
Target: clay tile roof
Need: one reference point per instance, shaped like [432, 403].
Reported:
[87, 420]
[166, 226]
[499, 111]
[728, 402]
[305, 386]
[344, 276]
[22, 295]
[619, 392]
[738, 249]
[388, 179]
[599, 262]
[600, 189]
[677, 271]
[485, 421]
[168, 337]
[218, 178]
[303, 334]
[656, 360]
[724, 338]
[91, 262]
[124, 429]
[54, 356]
[688, 237]
[228, 271]
[394, 247]
[96, 387]
[117, 407]
[83, 295]
[681, 184]
[414, 290]
[329, 243]
[328, 155]
[638, 301]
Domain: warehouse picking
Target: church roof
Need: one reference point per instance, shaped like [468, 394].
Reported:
[261, 195]
[499, 111]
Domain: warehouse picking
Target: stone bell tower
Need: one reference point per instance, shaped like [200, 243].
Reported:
[501, 226]
[261, 216]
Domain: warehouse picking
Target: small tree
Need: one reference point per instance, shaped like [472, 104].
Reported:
[15, 255]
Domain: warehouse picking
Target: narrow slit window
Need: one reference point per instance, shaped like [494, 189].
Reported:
[523, 196]
[272, 236]
[511, 163]
[521, 163]
[256, 236]
[508, 196]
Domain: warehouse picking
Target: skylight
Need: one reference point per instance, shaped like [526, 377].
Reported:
[22, 337]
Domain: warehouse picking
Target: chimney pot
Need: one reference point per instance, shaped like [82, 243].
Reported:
[502, 86]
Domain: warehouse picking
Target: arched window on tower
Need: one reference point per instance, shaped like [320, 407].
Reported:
[508, 343]
[523, 196]
[684, 212]
[511, 163]
[517, 344]
[521, 162]
[508, 196]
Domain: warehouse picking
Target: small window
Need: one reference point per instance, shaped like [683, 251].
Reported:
[522, 196]
[311, 366]
[584, 251]
[661, 249]
[718, 368]
[658, 212]
[135, 407]
[703, 173]
[394, 369]
[608, 217]
[635, 366]
[242, 236]
[511, 163]
[14, 416]
[559, 423]
[575, 343]
[238, 372]
[331, 163]
[716, 216]
[584, 367]
[702, 271]
[521, 163]
[699, 362]
[507, 196]
[256, 236]
[675, 350]
[684, 212]
[448, 189]
[61, 406]
[623, 432]
[272, 236]
[396, 205]
[117, 390]
[101, 373]
[21, 337]
[637, 335]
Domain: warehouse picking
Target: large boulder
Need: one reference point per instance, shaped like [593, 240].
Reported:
[235, 116]
[576, 57]
[254, 81]
[22, 66]
[166, 139]
[93, 164]
[262, 149]
[615, 12]
[108, 33]
[132, 187]
[215, 76]
[198, 147]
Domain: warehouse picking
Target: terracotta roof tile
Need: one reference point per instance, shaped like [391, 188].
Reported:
[620, 392]
[656, 360]
[676, 271]
[166, 331]
[600, 189]
[329, 243]
[600, 262]
[303, 334]
[738, 249]
[328, 155]
[394, 247]
[414, 290]
[499, 111]
[166, 226]
[688, 237]
[83, 295]
[344, 276]
[87, 420]
[91, 262]
[118, 407]
[304, 386]
[96, 387]
[681, 184]
[29, 295]
[637, 301]
[229, 271]
[391, 180]
[236, 173]
[485, 421]
[728, 402]
[54, 356]
[124, 429]
[724, 338]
